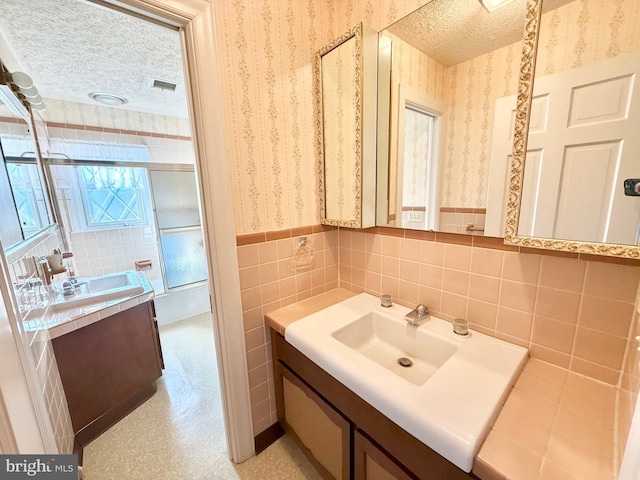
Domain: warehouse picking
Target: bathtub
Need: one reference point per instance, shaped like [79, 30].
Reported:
[180, 303]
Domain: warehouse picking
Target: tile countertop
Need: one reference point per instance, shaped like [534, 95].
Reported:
[64, 321]
[554, 425]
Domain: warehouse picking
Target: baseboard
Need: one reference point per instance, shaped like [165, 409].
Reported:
[267, 437]
[78, 450]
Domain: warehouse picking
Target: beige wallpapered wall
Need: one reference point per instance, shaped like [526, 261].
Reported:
[471, 90]
[266, 56]
[616, 21]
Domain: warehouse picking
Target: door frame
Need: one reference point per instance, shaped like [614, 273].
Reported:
[195, 18]
[195, 21]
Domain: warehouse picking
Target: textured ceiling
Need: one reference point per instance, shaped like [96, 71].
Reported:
[453, 31]
[72, 47]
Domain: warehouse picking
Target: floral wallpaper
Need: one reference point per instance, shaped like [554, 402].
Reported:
[267, 52]
[471, 89]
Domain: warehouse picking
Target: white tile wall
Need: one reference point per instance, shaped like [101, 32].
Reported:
[99, 253]
[162, 150]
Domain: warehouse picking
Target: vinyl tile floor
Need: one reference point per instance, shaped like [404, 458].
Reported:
[178, 434]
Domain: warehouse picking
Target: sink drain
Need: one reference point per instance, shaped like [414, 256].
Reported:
[404, 362]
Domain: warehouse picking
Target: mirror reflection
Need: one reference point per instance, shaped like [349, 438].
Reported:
[346, 101]
[450, 63]
[23, 201]
[341, 101]
[583, 137]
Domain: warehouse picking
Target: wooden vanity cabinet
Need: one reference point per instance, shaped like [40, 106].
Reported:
[108, 368]
[370, 462]
[378, 448]
[323, 432]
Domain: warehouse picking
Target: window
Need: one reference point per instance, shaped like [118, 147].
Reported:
[113, 196]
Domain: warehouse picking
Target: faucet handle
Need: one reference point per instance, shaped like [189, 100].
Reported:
[422, 310]
[385, 301]
[460, 326]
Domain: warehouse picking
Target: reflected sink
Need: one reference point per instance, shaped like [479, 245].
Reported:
[100, 289]
[388, 341]
[448, 398]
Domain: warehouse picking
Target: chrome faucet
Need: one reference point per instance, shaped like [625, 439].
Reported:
[417, 315]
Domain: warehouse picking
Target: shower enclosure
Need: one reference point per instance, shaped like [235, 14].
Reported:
[123, 215]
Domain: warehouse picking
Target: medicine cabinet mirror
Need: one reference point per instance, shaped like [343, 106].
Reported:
[346, 122]
[24, 201]
[443, 70]
[574, 175]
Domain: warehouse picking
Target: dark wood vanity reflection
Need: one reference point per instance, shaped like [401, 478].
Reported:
[109, 368]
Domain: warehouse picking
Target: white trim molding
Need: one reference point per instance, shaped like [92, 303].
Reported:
[196, 17]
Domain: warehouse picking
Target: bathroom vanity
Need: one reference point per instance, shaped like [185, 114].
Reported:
[360, 414]
[109, 361]
[337, 429]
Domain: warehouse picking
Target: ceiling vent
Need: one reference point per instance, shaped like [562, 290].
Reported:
[163, 85]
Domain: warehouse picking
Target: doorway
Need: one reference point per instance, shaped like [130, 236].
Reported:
[420, 131]
[195, 19]
[120, 215]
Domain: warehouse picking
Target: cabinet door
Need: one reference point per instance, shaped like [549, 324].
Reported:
[372, 463]
[323, 432]
[108, 368]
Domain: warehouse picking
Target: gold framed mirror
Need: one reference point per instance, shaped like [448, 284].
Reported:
[577, 109]
[345, 85]
[439, 84]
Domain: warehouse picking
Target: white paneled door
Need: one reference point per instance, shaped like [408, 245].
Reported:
[584, 140]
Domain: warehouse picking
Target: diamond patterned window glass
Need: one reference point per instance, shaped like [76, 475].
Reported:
[113, 196]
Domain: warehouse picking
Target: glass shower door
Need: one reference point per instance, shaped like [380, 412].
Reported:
[180, 231]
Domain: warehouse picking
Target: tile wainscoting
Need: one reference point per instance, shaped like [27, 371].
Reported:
[269, 280]
[573, 311]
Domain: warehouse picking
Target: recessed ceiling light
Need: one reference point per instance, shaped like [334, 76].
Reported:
[493, 5]
[108, 99]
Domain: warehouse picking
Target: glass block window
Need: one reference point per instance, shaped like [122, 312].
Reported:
[113, 196]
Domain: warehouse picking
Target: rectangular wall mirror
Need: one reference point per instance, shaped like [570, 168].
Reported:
[444, 82]
[346, 99]
[24, 205]
[568, 191]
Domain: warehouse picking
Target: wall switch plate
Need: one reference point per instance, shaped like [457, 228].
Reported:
[414, 216]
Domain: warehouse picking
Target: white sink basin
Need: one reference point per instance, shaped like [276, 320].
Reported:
[447, 399]
[101, 289]
[385, 340]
